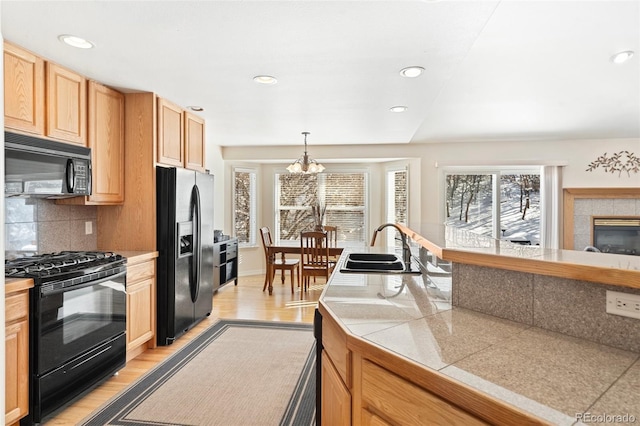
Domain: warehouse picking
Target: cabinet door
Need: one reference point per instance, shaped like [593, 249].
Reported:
[139, 313]
[194, 142]
[66, 105]
[336, 399]
[16, 371]
[170, 134]
[106, 140]
[23, 90]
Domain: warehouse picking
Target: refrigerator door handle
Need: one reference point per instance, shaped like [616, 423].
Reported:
[197, 243]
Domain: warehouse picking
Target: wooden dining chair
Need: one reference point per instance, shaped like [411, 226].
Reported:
[314, 256]
[332, 240]
[273, 264]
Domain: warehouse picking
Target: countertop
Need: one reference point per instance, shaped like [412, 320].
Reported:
[552, 376]
[11, 285]
[458, 245]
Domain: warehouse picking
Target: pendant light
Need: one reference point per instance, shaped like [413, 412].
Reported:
[305, 164]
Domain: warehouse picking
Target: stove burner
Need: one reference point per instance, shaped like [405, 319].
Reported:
[63, 262]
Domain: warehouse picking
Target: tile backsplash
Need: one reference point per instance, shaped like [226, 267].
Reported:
[34, 225]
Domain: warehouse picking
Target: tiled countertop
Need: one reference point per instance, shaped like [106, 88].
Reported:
[459, 245]
[550, 375]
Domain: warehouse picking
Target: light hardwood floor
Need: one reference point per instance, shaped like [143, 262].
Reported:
[244, 301]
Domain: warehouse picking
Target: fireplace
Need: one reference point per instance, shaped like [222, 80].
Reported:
[618, 235]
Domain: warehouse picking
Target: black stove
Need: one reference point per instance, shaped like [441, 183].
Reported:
[64, 265]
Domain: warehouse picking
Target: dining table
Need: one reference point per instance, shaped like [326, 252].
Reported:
[290, 247]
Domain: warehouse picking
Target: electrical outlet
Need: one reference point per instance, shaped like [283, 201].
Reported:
[88, 228]
[624, 304]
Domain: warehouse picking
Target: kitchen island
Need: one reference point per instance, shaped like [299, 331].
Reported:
[402, 349]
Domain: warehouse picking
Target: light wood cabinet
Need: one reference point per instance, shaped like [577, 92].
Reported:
[194, 143]
[180, 137]
[16, 356]
[23, 90]
[66, 105]
[106, 140]
[170, 134]
[361, 391]
[336, 399]
[141, 314]
[399, 401]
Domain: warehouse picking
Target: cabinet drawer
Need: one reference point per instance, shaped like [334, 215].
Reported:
[16, 306]
[141, 271]
[402, 402]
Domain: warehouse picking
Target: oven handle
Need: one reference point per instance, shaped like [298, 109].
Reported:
[50, 290]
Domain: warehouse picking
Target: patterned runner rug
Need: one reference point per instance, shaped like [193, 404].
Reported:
[235, 373]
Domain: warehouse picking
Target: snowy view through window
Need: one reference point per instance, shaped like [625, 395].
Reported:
[470, 199]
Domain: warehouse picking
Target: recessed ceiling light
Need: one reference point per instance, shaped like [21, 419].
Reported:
[265, 79]
[75, 41]
[622, 57]
[411, 72]
[398, 108]
[196, 108]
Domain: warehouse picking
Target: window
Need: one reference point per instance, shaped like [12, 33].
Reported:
[343, 195]
[244, 206]
[397, 200]
[501, 204]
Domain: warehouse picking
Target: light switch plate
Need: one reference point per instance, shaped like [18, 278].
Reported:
[88, 228]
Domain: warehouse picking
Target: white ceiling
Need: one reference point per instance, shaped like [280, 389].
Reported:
[494, 70]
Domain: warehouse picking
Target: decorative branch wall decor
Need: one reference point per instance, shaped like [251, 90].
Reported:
[623, 161]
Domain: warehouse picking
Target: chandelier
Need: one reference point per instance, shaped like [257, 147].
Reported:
[305, 164]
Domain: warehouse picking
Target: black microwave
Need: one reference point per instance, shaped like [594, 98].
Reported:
[38, 167]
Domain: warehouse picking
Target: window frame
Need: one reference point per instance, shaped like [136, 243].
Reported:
[496, 172]
[366, 209]
[253, 205]
[389, 214]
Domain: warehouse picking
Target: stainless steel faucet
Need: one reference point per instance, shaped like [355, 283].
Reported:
[406, 250]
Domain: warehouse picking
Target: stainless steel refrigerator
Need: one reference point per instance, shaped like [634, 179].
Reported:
[184, 200]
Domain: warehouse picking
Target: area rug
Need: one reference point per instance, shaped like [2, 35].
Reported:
[234, 373]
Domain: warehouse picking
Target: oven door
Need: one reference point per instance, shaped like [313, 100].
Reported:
[72, 320]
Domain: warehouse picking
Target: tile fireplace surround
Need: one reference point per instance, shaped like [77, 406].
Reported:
[582, 204]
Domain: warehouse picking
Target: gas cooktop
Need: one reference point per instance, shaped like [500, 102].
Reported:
[62, 264]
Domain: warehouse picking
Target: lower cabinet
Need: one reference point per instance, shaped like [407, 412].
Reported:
[357, 390]
[16, 356]
[336, 399]
[141, 302]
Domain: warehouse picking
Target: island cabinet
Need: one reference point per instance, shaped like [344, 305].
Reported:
[180, 137]
[366, 386]
[23, 90]
[16, 355]
[141, 298]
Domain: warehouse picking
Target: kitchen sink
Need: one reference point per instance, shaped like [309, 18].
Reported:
[375, 263]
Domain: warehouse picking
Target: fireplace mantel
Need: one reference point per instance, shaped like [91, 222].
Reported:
[571, 194]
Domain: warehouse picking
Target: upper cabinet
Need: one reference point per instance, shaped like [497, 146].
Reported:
[170, 134]
[66, 105]
[106, 140]
[42, 98]
[180, 137]
[23, 90]
[194, 146]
